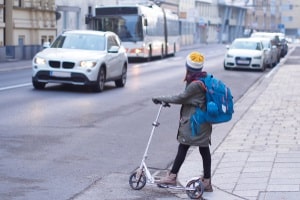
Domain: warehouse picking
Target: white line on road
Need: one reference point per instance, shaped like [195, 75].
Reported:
[15, 86]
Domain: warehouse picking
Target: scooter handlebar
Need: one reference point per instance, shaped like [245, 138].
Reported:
[165, 104]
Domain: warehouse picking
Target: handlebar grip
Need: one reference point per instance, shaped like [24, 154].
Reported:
[165, 104]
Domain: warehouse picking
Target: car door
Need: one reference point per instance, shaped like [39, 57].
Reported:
[268, 52]
[113, 59]
[260, 47]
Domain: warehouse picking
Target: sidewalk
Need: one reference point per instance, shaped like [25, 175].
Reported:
[259, 159]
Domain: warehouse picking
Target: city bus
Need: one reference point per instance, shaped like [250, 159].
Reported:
[146, 31]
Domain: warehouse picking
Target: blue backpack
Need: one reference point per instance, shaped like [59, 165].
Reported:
[219, 104]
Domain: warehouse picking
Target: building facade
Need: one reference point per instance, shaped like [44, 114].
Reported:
[264, 15]
[24, 26]
[290, 16]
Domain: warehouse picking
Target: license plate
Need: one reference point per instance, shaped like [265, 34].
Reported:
[60, 74]
[242, 62]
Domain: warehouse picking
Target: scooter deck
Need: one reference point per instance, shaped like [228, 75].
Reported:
[176, 187]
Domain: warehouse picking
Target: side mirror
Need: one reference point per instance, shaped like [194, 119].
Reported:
[227, 46]
[113, 49]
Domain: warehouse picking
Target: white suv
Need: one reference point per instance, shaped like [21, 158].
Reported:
[81, 57]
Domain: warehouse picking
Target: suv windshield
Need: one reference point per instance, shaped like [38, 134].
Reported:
[80, 41]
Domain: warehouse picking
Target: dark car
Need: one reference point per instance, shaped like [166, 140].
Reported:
[285, 47]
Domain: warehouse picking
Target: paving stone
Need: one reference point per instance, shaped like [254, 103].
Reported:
[260, 164]
[238, 163]
[257, 169]
[261, 158]
[288, 155]
[288, 160]
[279, 196]
[285, 175]
[247, 193]
[218, 180]
[283, 188]
[286, 165]
[284, 181]
[252, 186]
[229, 187]
[255, 175]
[229, 170]
[253, 180]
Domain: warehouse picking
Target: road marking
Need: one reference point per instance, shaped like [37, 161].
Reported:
[15, 86]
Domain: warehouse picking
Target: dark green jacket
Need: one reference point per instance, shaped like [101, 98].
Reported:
[190, 98]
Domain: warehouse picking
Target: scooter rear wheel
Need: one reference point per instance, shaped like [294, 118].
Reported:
[197, 189]
[137, 180]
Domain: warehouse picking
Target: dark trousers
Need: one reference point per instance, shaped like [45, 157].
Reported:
[181, 154]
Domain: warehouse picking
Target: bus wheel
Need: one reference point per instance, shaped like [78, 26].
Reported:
[149, 54]
[162, 52]
[174, 50]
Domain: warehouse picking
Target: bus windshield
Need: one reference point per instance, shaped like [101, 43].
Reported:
[146, 31]
[127, 27]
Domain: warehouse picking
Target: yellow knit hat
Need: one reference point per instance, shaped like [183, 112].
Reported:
[194, 61]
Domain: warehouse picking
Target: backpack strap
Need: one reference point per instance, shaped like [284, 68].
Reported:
[202, 85]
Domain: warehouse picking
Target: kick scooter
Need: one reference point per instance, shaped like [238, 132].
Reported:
[137, 180]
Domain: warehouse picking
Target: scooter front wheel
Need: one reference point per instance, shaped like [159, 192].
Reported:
[196, 189]
[137, 180]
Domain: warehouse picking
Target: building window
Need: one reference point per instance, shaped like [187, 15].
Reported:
[287, 18]
[287, 7]
[50, 39]
[17, 3]
[43, 39]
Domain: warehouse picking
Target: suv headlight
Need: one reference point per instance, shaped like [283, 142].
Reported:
[39, 61]
[257, 57]
[87, 64]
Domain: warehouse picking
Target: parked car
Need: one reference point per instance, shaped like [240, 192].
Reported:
[81, 57]
[285, 47]
[271, 52]
[245, 53]
[277, 39]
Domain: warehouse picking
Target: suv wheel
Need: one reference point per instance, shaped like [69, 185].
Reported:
[122, 81]
[99, 85]
[38, 85]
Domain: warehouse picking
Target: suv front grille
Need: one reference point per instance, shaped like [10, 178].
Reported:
[65, 65]
[68, 65]
[54, 64]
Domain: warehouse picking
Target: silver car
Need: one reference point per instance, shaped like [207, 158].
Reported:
[81, 57]
[271, 52]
